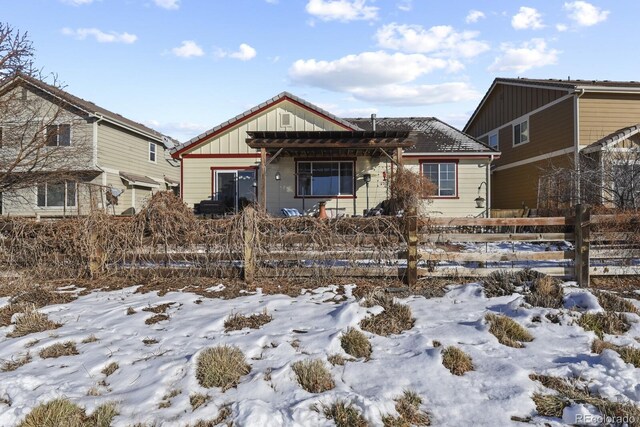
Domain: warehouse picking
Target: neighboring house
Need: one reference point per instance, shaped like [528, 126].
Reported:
[544, 125]
[294, 154]
[113, 162]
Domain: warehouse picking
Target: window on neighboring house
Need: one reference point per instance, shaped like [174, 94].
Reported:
[58, 135]
[53, 194]
[521, 132]
[152, 152]
[493, 140]
[325, 178]
[443, 175]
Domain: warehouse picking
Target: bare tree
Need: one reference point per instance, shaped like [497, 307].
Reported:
[43, 139]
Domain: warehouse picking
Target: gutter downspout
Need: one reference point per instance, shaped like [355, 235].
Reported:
[576, 144]
[488, 186]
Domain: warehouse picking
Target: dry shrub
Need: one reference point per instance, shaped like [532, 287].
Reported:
[604, 323]
[574, 391]
[393, 320]
[409, 190]
[237, 321]
[336, 359]
[343, 413]
[612, 302]
[166, 399]
[64, 413]
[67, 348]
[197, 400]
[15, 363]
[149, 341]
[545, 292]
[313, 376]
[508, 331]
[408, 408]
[160, 308]
[627, 353]
[167, 220]
[156, 319]
[91, 338]
[223, 415]
[110, 369]
[32, 321]
[456, 360]
[499, 283]
[32, 296]
[355, 343]
[221, 366]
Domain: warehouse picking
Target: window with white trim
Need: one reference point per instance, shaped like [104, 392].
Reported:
[57, 194]
[521, 132]
[493, 140]
[325, 178]
[152, 152]
[58, 135]
[443, 175]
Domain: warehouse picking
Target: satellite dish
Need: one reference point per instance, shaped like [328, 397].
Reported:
[112, 196]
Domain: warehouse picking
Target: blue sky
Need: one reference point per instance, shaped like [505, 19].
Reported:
[184, 66]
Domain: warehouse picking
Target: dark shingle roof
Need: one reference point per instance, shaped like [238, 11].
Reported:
[82, 104]
[613, 138]
[433, 135]
[134, 178]
[572, 84]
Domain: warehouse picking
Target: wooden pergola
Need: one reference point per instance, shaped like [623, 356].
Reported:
[273, 144]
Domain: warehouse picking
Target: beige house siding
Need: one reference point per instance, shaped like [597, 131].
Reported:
[232, 141]
[604, 113]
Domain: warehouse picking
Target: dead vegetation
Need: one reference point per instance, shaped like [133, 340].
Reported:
[341, 412]
[539, 289]
[408, 190]
[604, 323]
[508, 331]
[15, 362]
[356, 344]
[91, 338]
[456, 361]
[63, 412]
[395, 318]
[336, 359]
[409, 412]
[166, 399]
[313, 376]
[67, 348]
[197, 400]
[627, 353]
[573, 390]
[110, 369]
[156, 319]
[612, 302]
[545, 292]
[221, 366]
[25, 296]
[30, 321]
[237, 321]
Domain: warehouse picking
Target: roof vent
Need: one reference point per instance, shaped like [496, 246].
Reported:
[373, 122]
[285, 120]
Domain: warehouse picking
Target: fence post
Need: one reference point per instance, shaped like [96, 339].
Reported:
[582, 245]
[248, 223]
[411, 235]
[96, 257]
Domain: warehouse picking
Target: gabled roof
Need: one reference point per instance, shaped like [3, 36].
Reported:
[569, 85]
[432, 135]
[253, 111]
[139, 180]
[84, 105]
[613, 138]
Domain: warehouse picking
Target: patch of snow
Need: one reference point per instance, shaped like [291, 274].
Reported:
[216, 288]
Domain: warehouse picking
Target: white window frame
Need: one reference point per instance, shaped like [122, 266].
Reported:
[495, 134]
[65, 204]
[455, 180]
[519, 125]
[46, 135]
[153, 152]
[339, 194]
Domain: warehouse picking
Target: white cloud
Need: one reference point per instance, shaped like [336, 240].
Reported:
[527, 18]
[100, 36]
[342, 10]
[561, 27]
[188, 49]
[182, 131]
[408, 95]
[244, 53]
[585, 14]
[367, 69]
[518, 59]
[474, 16]
[168, 4]
[405, 5]
[77, 2]
[272, 1]
[440, 40]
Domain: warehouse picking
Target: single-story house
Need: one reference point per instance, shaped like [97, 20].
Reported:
[289, 153]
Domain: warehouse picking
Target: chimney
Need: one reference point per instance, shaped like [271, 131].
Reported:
[373, 122]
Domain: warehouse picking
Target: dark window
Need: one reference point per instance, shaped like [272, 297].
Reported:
[58, 135]
[443, 175]
[52, 194]
[152, 152]
[325, 178]
[493, 140]
[521, 133]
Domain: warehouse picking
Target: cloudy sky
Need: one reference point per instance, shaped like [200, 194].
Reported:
[183, 66]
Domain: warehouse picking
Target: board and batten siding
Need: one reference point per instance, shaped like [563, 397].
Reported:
[508, 102]
[604, 113]
[232, 141]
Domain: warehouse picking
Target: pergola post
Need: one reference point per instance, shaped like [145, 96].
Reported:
[262, 198]
[399, 160]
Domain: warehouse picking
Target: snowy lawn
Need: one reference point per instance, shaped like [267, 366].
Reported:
[156, 360]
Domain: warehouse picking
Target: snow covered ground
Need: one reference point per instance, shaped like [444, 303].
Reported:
[308, 326]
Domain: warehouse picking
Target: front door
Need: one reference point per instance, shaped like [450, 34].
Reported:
[235, 188]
